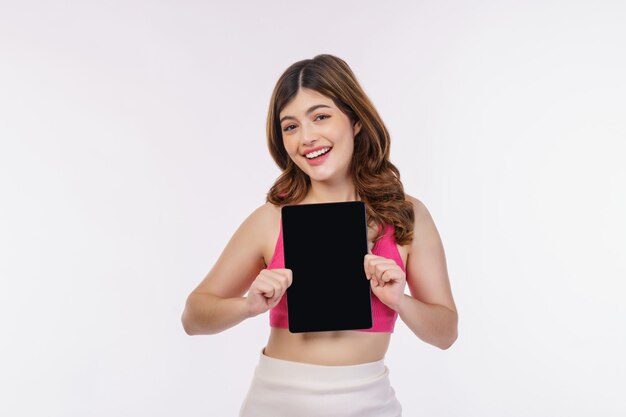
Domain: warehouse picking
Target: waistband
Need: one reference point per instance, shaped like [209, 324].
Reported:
[282, 370]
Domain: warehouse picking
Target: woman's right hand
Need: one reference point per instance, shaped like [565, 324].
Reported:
[267, 289]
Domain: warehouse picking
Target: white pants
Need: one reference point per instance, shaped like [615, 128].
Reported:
[292, 389]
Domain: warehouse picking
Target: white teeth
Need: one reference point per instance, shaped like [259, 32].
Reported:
[317, 153]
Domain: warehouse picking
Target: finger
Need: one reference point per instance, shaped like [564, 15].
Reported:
[282, 282]
[287, 274]
[284, 276]
[273, 278]
[373, 266]
[384, 278]
[279, 289]
[383, 266]
[263, 288]
[375, 281]
[368, 265]
[390, 275]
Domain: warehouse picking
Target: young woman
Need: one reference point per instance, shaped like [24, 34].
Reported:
[332, 146]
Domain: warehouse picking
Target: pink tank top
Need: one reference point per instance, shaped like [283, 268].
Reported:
[383, 317]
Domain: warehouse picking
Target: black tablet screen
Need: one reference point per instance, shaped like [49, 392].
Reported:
[324, 246]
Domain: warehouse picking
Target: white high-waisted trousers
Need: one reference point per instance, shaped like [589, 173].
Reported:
[292, 389]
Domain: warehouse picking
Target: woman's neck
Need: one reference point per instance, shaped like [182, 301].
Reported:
[321, 193]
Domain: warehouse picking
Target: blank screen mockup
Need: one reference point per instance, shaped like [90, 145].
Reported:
[324, 246]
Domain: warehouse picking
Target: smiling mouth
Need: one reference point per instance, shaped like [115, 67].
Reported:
[314, 155]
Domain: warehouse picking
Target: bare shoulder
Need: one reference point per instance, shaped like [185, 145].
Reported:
[265, 215]
[419, 208]
[425, 233]
[268, 218]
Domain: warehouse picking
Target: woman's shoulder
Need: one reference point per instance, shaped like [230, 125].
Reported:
[265, 218]
[419, 208]
[266, 212]
[266, 209]
[424, 228]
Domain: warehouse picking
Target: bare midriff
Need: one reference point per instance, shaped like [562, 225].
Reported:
[327, 348]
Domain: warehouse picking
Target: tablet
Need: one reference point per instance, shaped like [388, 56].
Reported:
[324, 246]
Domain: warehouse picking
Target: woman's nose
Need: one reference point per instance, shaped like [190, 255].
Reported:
[309, 141]
[309, 136]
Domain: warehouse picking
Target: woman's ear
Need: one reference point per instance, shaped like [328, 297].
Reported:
[357, 128]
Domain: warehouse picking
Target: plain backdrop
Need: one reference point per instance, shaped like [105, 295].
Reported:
[133, 146]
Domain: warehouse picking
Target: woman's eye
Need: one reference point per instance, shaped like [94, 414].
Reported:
[288, 128]
[322, 115]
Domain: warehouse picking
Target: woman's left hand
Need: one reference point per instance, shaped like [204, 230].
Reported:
[387, 279]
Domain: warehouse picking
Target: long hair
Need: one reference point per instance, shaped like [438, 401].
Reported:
[376, 179]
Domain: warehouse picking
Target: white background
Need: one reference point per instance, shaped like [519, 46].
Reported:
[133, 145]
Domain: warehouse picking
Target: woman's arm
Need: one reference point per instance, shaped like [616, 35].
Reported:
[218, 302]
[430, 311]
[206, 313]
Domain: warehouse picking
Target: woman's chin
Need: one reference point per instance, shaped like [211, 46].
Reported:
[328, 178]
[321, 173]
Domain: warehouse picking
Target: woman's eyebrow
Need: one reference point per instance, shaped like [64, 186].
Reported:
[312, 108]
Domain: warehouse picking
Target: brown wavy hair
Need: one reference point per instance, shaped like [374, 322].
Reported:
[376, 179]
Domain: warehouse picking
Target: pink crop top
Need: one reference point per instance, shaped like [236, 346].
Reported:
[383, 317]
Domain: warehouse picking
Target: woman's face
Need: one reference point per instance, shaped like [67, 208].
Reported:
[318, 136]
